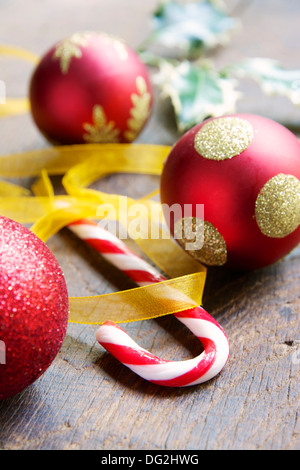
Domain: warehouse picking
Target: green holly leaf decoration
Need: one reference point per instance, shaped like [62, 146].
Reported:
[196, 91]
[270, 75]
[192, 27]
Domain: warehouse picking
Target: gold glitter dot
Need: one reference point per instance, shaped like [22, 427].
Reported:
[277, 207]
[201, 240]
[223, 138]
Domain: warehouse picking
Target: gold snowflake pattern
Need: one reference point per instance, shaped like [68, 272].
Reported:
[70, 48]
[140, 111]
[100, 131]
[119, 47]
[118, 44]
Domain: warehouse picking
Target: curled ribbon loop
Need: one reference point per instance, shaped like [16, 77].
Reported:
[49, 213]
[14, 106]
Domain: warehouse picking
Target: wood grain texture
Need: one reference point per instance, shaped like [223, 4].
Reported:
[86, 399]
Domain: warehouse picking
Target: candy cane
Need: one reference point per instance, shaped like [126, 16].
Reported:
[117, 342]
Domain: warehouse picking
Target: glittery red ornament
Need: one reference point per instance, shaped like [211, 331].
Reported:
[90, 88]
[245, 170]
[33, 307]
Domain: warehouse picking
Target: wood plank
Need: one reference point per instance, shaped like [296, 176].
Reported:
[86, 399]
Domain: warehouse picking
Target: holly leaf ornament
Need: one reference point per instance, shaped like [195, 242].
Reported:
[192, 27]
[270, 75]
[195, 87]
[197, 92]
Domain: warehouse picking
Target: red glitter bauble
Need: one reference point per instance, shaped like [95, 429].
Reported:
[245, 171]
[33, 307]
[90, 88]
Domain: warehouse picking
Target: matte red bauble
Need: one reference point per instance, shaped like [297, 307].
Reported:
[90, 88]
[245, 170]
[33, 308]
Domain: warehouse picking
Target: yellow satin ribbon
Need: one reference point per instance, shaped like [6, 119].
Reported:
[19, 53]
[49, 213]
[81, 165]
[15, 106]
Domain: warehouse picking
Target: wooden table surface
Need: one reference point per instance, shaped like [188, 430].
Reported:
[86, 399]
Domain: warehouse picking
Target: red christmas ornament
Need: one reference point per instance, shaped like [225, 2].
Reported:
[245, 170]
[33, 307]
[90, 88]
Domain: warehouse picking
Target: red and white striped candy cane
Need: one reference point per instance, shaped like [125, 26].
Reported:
[116, 341]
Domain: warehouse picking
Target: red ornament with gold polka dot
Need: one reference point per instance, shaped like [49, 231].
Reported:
[245, 170]
[90, 88]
